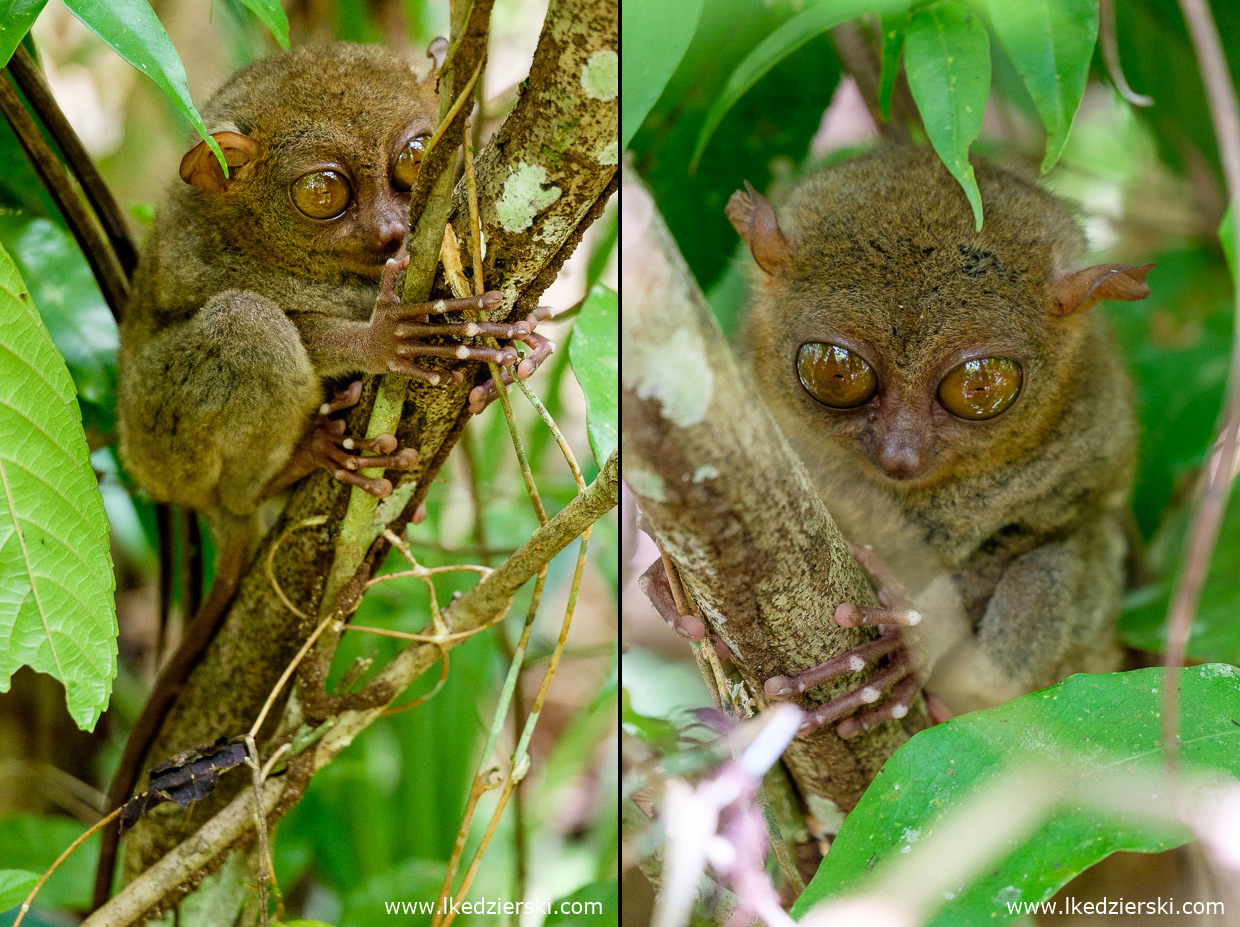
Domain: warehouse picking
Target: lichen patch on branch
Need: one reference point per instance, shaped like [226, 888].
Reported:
[600, 75]
[524, 197]
[678, 376]
[645, 483]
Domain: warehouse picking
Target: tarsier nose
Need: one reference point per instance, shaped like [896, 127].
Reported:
[899, 456]
[388, 237]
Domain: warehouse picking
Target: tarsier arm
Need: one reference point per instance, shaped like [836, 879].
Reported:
[1048, 617]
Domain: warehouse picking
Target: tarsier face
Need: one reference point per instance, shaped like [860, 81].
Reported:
[911, 391]
[358, 208]
[885, 324]
[319, 182]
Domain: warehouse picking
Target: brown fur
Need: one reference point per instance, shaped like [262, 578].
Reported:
[1010, 535]
[241, 305]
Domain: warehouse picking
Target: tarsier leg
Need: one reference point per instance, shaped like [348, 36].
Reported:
[899, 675]
[327, 446]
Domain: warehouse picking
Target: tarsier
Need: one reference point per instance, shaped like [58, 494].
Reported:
[965, 417]
[263, 292]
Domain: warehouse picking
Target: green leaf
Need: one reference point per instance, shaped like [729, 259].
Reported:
[579, 907]
[64, 288]
[1051, 42]
[34, 843]
[15, 885]
[768, 130]
[16, 18]
[893, 27]
[592, 350]
[777, 46]
[133, 31]
[57, 613]
[656, 34]
[947, 59]
[1216, 633]
[1087, 727]
[1177, 344]
[271, 16]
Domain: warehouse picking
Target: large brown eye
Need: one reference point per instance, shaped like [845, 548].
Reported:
[408, 162]
[835, 376]
[321, 194]
[981, 389]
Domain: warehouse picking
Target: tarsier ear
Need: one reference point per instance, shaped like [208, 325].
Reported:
[1080, 289]
[754, 218]
[201, 168]
[437, 52]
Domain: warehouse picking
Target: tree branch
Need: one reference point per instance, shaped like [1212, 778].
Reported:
[181, 868]
[732, 504]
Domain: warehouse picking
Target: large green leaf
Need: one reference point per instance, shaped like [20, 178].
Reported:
[1051, 42]
[272, 16]
[790, 36]
[133, 31]
[1086, 728]
[656, 34]
[15, 885]
[67, 295]
[593, 352]
[33, 843]
[893, 27]
[57, 613]
[16, 18]
[947, 59]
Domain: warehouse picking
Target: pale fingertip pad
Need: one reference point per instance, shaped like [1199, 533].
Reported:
[856, 664]
[462, 352]
[869, 694]
[348, 444]
[779, 687]
[914, 617]
[899, 711]
[325, 409]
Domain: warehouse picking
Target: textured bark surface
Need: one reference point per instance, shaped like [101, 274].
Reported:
[260, 635]
[731, 503]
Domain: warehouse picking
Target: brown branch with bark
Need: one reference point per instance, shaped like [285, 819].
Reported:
[552, 164]
[733, 506]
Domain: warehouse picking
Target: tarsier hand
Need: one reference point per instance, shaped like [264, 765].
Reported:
[892, 689]
[399, 332]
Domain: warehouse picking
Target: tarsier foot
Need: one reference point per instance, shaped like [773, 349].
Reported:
[406, 329]
[892, 689]
[654, 584]
[657, 589]
[327, 446]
